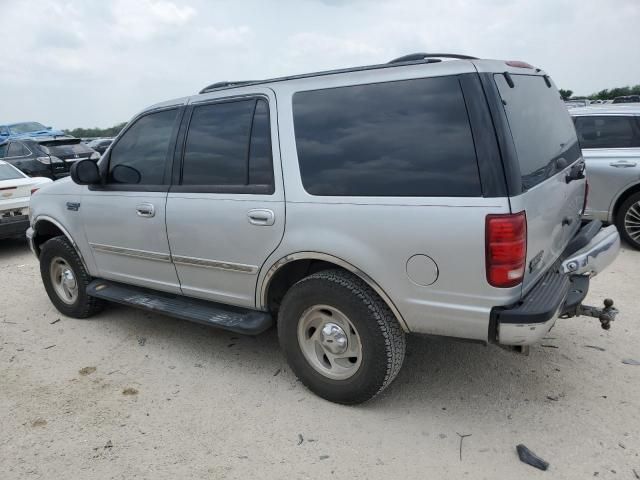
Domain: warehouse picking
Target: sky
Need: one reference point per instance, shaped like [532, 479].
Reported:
[84, 63]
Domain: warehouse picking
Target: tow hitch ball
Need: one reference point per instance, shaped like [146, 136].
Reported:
[606, 315]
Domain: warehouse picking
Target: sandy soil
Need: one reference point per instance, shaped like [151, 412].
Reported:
[128, 395]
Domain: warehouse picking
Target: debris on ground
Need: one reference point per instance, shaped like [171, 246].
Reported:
[324, 457]
[631, 361]
[142, 341]
[50, 346]
[553, 398]
[86, 370]
[595, 347]
[300, 439]
[462, 437]
[530, 458]
[548, 346]
[636, 474]
[39, 422]
[276, 373]
[129, 391]
[55, 321]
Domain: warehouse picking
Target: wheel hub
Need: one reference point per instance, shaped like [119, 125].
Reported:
[63, 280]
[333, 338]
[330, 342]
[68, 279]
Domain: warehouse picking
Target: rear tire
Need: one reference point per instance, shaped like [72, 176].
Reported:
[65, 279]
[628, 220]
[340, 339]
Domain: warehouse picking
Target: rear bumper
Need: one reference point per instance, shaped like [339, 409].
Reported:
[560, 291]
[13, 226]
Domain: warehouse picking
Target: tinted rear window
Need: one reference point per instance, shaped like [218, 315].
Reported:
[608, 131]
[68, 149]
[541, 128]
[404, 138]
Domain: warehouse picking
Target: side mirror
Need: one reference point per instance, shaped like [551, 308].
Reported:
[85, 172]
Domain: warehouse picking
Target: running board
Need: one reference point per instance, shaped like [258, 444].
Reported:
[226, 317]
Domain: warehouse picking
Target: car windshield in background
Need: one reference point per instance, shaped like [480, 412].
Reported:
[543, 133]
[26, 127]
[7, 172]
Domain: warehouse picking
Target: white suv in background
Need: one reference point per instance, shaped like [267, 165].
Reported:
[609, 136]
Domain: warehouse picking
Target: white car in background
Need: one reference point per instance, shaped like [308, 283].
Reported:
[15, 193]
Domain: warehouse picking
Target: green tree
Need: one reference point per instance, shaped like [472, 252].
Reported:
[565, 94]
[96, 132]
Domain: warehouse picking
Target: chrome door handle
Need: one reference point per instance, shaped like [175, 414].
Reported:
[261, 216]
[145, 210]
[623, 164]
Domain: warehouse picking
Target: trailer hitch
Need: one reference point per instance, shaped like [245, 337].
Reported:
[606, 315]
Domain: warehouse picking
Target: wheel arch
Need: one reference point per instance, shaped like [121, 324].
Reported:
[45, 228]
[321, 261]
[619, 200]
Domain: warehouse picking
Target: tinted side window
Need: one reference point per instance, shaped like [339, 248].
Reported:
[542, 130]
[404, 138]
[218, 144]
[229, 144]
[608, 132]
[3, 150]
[143, 149]
[16, 149]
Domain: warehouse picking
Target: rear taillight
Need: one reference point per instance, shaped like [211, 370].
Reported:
[506, 249]
[34, 190]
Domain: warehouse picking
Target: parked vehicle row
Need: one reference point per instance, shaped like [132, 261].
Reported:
[436, 194]
[45, 156]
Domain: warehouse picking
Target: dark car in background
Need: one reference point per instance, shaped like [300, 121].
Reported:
[100, 145]
[45, 157]
[627, 99]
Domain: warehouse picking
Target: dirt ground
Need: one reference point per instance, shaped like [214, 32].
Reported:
[128, 394]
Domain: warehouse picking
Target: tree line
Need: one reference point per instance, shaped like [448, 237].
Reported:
[606, 94]
[96, 132]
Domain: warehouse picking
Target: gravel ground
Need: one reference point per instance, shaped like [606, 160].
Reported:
[129, 394]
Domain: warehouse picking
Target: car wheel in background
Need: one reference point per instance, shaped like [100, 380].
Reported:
[628, 220]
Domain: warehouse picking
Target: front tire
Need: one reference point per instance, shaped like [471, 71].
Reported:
[628, 220]
[65, 279]
[340, 339]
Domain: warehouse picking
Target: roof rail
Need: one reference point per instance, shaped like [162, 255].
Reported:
[414, 57]
[215, 86]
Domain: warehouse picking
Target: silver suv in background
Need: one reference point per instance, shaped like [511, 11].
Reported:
[610, 140]
[435, 194]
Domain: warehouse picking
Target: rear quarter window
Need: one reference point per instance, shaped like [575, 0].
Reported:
[403, 138]
[608, 131]
[543, 133]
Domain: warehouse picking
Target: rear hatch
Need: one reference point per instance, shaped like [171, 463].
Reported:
[546, 151]
[68, 149]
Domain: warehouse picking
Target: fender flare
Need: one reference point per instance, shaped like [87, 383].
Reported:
[275, 267]
[53, 221]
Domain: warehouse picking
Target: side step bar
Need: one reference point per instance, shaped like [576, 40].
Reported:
[235, 319]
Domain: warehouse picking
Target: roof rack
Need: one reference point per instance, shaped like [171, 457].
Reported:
[215, 86]
[414, 57]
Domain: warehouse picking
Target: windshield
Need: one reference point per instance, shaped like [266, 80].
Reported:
[542, 130]
[26, 127]
[7, 172]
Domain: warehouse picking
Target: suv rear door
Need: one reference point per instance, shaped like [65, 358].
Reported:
[541, 152]
[225, 209]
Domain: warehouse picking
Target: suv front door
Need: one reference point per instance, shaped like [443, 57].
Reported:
[225, 210]
[124, 219]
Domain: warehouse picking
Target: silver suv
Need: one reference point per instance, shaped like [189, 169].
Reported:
[610, 140]
[436, 194]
